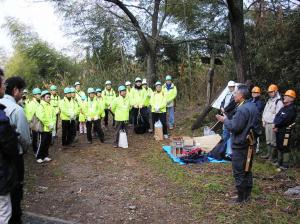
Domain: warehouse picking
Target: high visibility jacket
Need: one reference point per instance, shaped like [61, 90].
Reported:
[138, 97]
[120, 107]
[158, 100]
[102, 103]
[82, 117]
[149, 93]
[78, 95]
[171, 94]
[92, 109]
[109, 96]
[31, 108]
[47, 116]
[68, 109]
[55, 102]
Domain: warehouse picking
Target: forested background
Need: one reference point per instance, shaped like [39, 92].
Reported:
[201, 43]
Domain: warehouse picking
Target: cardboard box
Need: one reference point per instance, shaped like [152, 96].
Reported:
[207, 143]
[188, 141]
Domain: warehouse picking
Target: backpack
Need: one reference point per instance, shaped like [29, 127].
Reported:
[140, 127]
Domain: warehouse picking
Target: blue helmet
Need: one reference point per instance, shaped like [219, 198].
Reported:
[66, 90]
[121, 88]
[168, 78]
[36, 91]
[53, 87]
[45, 92]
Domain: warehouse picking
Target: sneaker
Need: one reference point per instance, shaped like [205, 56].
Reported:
[150, 130]
[171, 127]
[40, 161]
[47, 159]
[90, 142]
[166, 136]
[116, 146]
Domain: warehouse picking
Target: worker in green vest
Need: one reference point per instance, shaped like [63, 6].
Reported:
[109, 95]
[30, 112]
[55, 98]
[68, 112]
[120, 107]
[78, 92]
[46, 113]
[92, 110]
[171, 92]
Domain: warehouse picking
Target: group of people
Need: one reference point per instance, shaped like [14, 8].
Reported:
[33, 121]
[244, 113]
[83, 112]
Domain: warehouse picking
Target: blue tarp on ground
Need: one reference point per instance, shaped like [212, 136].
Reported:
[168, 150]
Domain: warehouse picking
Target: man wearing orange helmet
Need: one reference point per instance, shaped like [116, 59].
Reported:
[260, 105]
[283, 122]
[255, 92]
[273, 105]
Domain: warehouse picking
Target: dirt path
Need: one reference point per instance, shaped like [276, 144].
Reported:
[99, 184]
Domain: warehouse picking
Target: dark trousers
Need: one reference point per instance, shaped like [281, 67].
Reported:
[68, 132]
[280, 134]
[35, 141]
[243, 179]
[43, 150]
[145, 115]
[97, 128]
[107, 112]
[17, 193]
[163, 118]
[56, 124]
[120, 125]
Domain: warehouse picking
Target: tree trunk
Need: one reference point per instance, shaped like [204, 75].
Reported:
[151, 68]
[238, 41]
[210, 77]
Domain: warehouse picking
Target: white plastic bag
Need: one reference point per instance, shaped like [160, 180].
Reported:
[123, 143]
[158, 124]
[158, 131]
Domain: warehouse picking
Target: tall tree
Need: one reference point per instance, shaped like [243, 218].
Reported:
[149, 42]
[238, 41]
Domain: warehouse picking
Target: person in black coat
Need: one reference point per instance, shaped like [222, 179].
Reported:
[260, 104]
[283, 122]
[244, 120]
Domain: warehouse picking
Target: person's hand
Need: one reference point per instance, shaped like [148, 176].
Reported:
[95, 118]
[221, 118]
[50, 127]
[222, 110]
[136, 106]
[264, 124]
[157, 109]
[140, 106]
[89, 119]
[275, 129]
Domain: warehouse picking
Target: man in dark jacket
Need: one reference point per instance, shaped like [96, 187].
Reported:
[283, 122]
[244, 120]
[8, 153]
[260, 104]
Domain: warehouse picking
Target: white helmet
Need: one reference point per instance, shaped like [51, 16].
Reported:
[144, 81]
[231, 83]
[127, 83]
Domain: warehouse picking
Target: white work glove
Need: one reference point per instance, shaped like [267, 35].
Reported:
[51, 127]
[89, 119]
[95, 118]
[157, 109]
